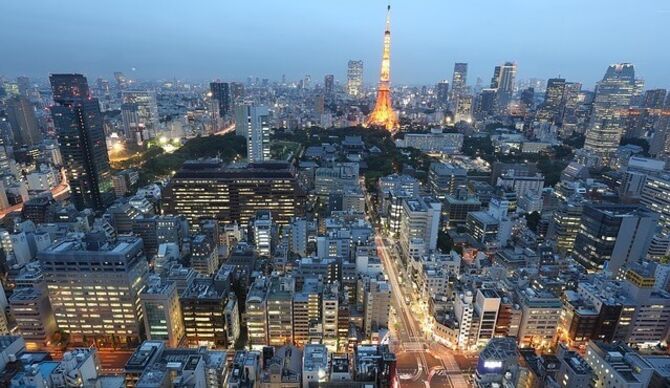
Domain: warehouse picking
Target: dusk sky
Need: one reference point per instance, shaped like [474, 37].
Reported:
[230, 40]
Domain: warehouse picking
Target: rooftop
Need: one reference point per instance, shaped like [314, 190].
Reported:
[314, 357]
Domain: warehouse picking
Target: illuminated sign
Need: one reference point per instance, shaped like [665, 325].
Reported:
[493, 364]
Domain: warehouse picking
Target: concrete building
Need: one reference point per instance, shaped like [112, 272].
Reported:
[498, 364]
[283, 369]
[435, 141]
[377, 306]
[35, 321]
[445, 178]
[204, 255]
[420, 220]
[612, 236]
[521, 183]
[616, 365]
[263, 233]
[655, 196]
[208, 189]
[153, 365]
[203, 304]
[314, 364]
[256, 313]
[163, 319]
[540, 319]
[573, 370]
[279, 311]
[94, 287]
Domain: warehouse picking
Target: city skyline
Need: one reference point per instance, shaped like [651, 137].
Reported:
[212, 41]
[278, 194]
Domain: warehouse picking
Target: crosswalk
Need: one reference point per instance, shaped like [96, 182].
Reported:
[414, 346]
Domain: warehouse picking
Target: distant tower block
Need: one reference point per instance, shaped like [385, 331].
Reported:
[383, 114]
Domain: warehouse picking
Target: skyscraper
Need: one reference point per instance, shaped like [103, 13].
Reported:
[236, 92]
[613, 97]
[139, 112]
[355, 78]
[459, 81]
[503, 80]
[21, 116]
[553, 99]
[486, 102]
[221, 93]
[654, 98]
[442, 92]
[383, 114]
[329, 85]
[253, 122]
[79, 125]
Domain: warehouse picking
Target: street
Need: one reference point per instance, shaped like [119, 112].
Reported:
[420, 361]
[61, 191]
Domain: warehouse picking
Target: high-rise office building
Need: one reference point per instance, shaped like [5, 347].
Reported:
[221, 93]
[553, 100]
[503, 80]
[253, 122]
[79, 124]
[654, 98]
[329, 85]
[486, 103]
[565, 223]
[442, 93]
[613, 236]
[94, 287]
[355, 78]
[208, 189]
[236, 92]
[139, 113]
[612, 100]
[459, 81]
[21, 116]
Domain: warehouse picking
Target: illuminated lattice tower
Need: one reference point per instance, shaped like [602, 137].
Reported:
[383, 114]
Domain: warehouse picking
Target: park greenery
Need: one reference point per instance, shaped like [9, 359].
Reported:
[385, 160]
[154, 163]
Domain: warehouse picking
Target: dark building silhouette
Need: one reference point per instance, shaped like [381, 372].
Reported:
[21, 116]
[221, 93]
[79, 125]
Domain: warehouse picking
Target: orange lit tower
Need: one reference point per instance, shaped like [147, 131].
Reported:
[383, 114]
